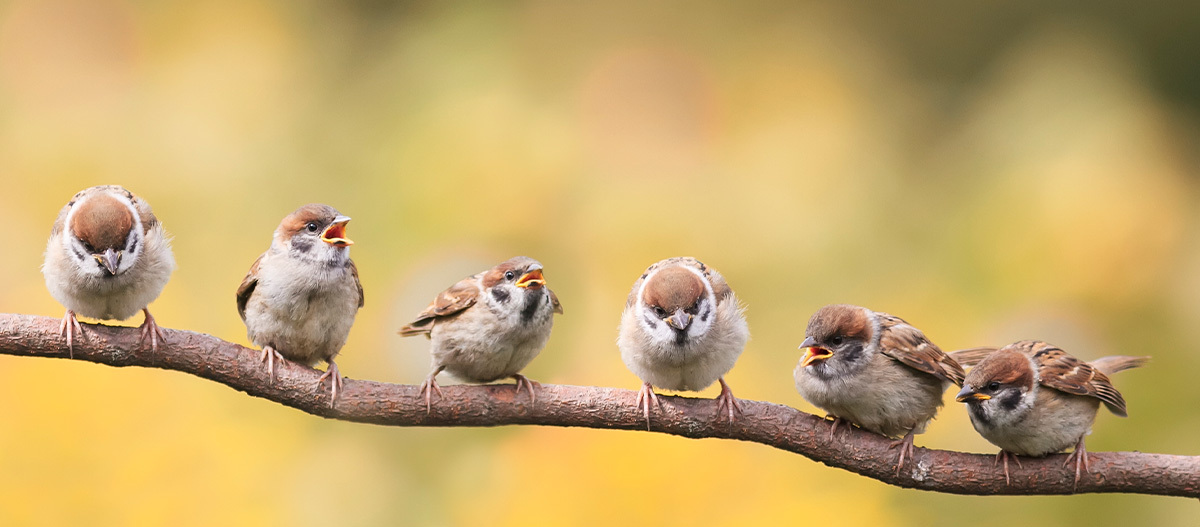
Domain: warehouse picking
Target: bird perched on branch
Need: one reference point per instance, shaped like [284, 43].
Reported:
[682, 329]
[874, 370]
[300, 297]
[1033, 399]
[488, 326]
[108, 257]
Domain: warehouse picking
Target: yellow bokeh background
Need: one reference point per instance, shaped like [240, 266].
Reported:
[988, 172]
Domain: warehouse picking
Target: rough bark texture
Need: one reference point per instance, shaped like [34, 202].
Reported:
[774, 425]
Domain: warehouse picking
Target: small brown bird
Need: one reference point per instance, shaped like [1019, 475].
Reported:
[874, 370]
[682, 329]
[108, 257]
[1033, 399]
[300, 297]
[488, 326]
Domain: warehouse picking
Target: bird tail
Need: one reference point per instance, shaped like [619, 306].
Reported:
[1115, 363]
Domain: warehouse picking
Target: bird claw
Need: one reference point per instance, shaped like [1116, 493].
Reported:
[70, 328]
[1080, 457]
[529, 384]
[430, 385]
[270, 356]
[906, 449]
[1003, 456]
[335, 381]
[726, 401]
[150, 329]
[834, 425]
[646, 396]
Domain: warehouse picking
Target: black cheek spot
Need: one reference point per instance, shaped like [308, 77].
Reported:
[500, 295]
[851, 351]
[1010, 400]
[301, 244]
[650, 320]
[133, 246]
[79, 254]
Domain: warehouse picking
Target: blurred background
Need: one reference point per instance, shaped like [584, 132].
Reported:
[989, 172]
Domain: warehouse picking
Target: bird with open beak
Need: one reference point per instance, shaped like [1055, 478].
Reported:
[108, 257]
[488, 326]
[875, 371]
[299, 298]
[1033, 399]
[682, 329]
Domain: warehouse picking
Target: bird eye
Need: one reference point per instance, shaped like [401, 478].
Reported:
[659, 311]
[312, 226]
[836, 341]
[509, 275]
[993, 386]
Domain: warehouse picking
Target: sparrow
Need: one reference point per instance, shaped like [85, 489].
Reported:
[300, 297]
[874, 370]
[488, 326]
[682, 329]
[108, 257]
[1031, 398]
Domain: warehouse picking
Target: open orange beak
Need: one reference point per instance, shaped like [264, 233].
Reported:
[532, 279]
[335, 234]
[814, 354]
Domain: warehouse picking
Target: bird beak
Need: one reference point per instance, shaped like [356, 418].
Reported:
[111, 259]
[532, 278]
[335, 234]
[812, 352]
[970, 393]
[680, 320]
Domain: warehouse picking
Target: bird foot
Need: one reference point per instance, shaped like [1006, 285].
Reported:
[70, 329]
[271, 357]
[834, 425]
[149, 329]
[523, 380]
[428, 387]
[1080, 457]
[335, 382]
[727, 402]
[1003, 457]
[906, 449]
[646, 396]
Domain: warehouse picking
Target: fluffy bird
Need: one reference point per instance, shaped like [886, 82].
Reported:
[682, 329]
[874, 370]
[108, 257]
[488, 326]
[1033, 399]
[300, 297]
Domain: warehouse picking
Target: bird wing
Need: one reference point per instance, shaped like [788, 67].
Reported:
[1065, 373]
[357, 283]
[450, 302]
[248, 284]
[554, 300]
[907, 344]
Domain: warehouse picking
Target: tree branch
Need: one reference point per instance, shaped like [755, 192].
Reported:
[774, 425]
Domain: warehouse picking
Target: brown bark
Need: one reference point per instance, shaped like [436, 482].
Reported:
[771, 424]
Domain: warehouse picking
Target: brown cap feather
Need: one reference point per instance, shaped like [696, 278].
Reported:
[102, 222]
[673, 288]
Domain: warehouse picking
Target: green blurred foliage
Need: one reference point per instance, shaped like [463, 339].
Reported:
[990, 172]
